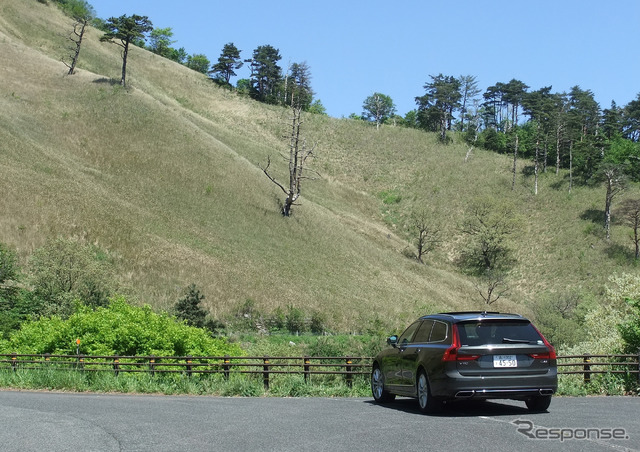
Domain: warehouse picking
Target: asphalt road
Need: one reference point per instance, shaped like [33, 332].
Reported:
[38, 421]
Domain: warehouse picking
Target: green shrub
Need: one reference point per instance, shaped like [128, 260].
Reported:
[65, 270]
[10, 295]
[117, 329]
[390, 197]
[295, 320]
[630, 329]
[247, 316]
[277, 321]
[318, 322]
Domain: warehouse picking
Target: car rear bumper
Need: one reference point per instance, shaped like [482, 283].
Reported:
[502, 393]
[457, 386]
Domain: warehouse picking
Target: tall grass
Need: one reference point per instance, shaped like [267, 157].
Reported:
[251, 385]
[179, 384]
[166, 177]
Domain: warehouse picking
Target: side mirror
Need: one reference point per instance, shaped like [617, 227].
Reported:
[392, 340]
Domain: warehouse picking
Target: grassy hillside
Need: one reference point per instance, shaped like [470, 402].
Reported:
[165, 177]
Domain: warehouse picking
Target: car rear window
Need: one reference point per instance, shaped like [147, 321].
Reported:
[498, 332]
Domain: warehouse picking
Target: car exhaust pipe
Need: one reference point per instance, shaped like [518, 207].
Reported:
[464, 394]
[546, 392]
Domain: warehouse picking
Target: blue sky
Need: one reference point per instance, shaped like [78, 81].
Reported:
[355, 48]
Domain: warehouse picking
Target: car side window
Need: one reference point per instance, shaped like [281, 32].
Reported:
[423, 333]
[439, 332]
[407, 336]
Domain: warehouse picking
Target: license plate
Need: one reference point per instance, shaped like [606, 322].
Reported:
[505, 361]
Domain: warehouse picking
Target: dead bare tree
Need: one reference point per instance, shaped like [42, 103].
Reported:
[491, 286]
[536, 160]
[298, 155]
[468, 155]
[515, 161]
[570, 165]
[82, 14]
[629, 213]
[474, 124]
[615, 182]
[75, 37]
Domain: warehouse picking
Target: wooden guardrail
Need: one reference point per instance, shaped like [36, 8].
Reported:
[348, 367]
[588, 364]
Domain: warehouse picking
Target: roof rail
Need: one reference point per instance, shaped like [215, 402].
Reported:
[471, 312]
[480, 313]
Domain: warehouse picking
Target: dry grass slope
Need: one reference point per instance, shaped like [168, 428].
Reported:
[165, 177]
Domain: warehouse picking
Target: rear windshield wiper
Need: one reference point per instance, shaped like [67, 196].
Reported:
[507, 340]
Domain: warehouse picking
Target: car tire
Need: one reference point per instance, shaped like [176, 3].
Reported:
[380, 394]
[538, 404]
[426, 402]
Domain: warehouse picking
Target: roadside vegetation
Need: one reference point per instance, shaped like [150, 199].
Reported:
[175, 384]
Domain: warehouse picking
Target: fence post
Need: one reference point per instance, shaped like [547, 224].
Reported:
[152, 365]
[14, 361]
[116, 365]
[306, 368]
[226, 367]
[47, 358]
[265, 373]
[189, 360]
[587, 368]
[81, 362]
[349, 377]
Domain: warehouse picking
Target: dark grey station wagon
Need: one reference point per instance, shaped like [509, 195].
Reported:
[467, 355]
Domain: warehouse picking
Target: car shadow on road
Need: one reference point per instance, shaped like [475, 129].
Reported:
[462, 408]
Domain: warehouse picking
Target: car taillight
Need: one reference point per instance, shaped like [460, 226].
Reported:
[552, 351]
[467, 357]
[451, 354]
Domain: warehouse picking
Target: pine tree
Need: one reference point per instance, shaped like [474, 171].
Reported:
[123, 31]
[228, 61]
[188, 308]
